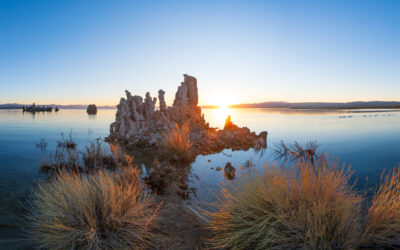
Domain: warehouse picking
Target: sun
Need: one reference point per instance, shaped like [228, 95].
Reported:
[223, 100]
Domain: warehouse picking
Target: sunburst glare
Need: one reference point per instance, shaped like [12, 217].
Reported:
[223, 101]
[220, 114]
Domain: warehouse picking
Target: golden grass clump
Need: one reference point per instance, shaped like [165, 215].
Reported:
[114, 148]
[289, 208]
[177, 140]
[102, 211]
[383, 218]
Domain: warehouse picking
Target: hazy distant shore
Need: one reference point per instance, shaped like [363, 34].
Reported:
[79, 106]
[323, 105]
[270, 105]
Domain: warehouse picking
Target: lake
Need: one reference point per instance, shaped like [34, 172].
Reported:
[369, 140]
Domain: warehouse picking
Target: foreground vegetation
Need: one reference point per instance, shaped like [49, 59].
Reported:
[94, 158]
[102, 211]
[310, 206]
[176, 142]
[96, 200]
[383, 218]
[289, 208]
[92, 199]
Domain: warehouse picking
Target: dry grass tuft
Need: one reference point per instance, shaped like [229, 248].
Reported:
[177, 141]
[114, 148]
[289, 208]
[383, 219]
[101, 211]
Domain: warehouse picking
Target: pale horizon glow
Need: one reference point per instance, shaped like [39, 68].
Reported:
[82, 52]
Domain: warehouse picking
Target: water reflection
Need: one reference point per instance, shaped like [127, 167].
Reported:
[19, 157]
[369, 141]
[92, 116]
[219, 115]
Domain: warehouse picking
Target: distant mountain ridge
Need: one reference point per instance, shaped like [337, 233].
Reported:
[76, 106]
[291, 105]
[322, 105]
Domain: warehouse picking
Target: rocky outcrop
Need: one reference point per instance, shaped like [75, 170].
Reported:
[91, 109]
[229, 171]
[139, 124]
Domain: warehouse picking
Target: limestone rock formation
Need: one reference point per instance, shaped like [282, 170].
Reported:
[91, 109]
[187, 93]
[139, 124]
[163, 105]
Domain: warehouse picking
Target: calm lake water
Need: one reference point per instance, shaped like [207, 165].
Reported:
[369, 140]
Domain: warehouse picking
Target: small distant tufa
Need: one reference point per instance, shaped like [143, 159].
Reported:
[92, 109]
[35, 108]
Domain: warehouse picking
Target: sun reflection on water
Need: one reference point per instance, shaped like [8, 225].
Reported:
[220, 115]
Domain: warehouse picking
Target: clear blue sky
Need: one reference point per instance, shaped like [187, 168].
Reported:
[70, 52]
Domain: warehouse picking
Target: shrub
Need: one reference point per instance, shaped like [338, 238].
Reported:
[289, 208]
[95, 157]
[66, 142]
[296, 152]
[159, 179]
[101, 211]
[63, 159]
[383, 219]
[177, 141]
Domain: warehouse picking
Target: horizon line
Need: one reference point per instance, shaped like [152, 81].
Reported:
[203, 105]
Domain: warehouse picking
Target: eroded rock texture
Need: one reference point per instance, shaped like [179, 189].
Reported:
[139, 124]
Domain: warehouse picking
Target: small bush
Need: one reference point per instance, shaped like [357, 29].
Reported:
[159, 179]
[63, 159]
[95, 157]
[42, 145]
[296, 152]
[383, 219]
[68, 143]
[101, 211]
[177, 141]
[289, 208]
